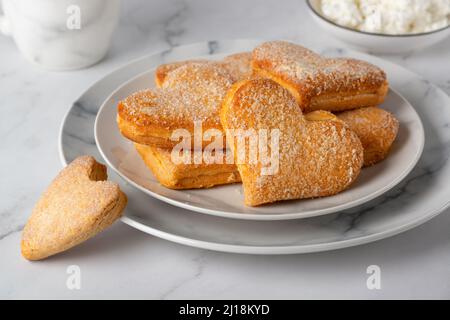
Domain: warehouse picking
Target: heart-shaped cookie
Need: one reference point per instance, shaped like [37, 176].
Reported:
[316, 158]
[77, 205]
[376, 128]
[320, 83]
[238, 65]
[191, 94]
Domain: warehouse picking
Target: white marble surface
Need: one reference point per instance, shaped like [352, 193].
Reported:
[124, 263]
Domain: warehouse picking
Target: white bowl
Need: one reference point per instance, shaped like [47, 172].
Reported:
[376, 42]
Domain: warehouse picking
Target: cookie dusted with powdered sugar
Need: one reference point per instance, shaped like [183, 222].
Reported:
[319, 83]
[377, 130]
[237, 64]
[316, 158]
[78, 204]
[191, 93]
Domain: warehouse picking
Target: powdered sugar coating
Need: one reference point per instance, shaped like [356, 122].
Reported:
[376, 128]
[316, 158]
[78, 204]
[191, 92]
[163, 70]
[312, 74]
[238, 65]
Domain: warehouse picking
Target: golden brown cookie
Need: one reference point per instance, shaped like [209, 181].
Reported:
[175, 175]
[319, 83]
[163, 70]
[315, 158]
[190, 94]
[78, 204]
[238, 65]
[376, 128]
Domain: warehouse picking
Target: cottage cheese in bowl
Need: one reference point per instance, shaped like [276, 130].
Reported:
[394, 17]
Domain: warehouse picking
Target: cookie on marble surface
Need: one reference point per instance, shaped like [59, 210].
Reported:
[191, 94]
[78, 204]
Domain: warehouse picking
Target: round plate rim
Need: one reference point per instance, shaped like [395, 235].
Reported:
[281, 250]
[255, 216]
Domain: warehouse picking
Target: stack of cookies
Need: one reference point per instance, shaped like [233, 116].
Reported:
[318, 116]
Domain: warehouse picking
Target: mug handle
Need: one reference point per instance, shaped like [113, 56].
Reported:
[5, 26]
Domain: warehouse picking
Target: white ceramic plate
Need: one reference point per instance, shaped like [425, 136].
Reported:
[422, 195]
[227, 201]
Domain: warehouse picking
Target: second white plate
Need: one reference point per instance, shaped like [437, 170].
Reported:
[227, 201]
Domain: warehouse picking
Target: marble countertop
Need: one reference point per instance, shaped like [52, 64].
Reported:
[125, 263]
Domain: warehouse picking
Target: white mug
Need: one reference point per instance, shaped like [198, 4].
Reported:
[61, 34]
